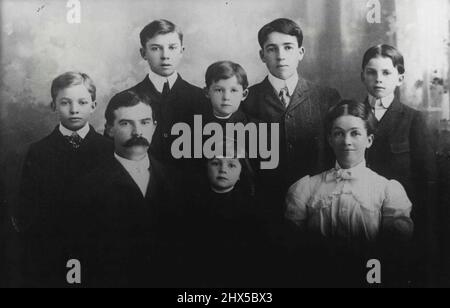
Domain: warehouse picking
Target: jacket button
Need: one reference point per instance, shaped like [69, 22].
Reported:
[166, 135]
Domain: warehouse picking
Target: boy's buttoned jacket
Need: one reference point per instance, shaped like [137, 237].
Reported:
[303, 145]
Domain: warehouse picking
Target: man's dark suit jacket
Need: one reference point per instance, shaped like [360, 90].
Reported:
[402, 150]
[182, 103]
[127, 239]
[50, 170]
[303, 146]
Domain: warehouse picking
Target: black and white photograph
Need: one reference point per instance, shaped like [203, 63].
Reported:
[213, 145]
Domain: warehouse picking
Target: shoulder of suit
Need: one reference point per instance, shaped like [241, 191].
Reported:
[320, 88]
[100, 138]
[45, 143]
[188, 86]
[410, 111]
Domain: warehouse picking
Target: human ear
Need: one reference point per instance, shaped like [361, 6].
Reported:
[244, 94]
[401, 78]
[94, 106]
[53, 106]
[301, 51]
[109, 131]
[261, 55]
[330, 140]
[362, 77]
[370, 139]
[142, 52]
[206, 91]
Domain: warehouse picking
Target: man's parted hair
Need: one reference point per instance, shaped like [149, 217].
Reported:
[125, 99]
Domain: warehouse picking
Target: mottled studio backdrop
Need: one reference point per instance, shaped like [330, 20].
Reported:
[38, 43]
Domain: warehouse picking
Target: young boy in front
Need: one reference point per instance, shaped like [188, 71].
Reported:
[173, 99]
[298, 105]
[51, 168]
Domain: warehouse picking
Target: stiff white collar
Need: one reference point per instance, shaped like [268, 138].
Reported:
[381, 103]
[279, 84]
[81, 132]
[159, 81]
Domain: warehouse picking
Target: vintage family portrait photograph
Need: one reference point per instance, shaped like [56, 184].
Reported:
[216, 144]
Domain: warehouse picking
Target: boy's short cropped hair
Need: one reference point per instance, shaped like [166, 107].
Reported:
[156, 27]
[125, 99]
[225, 70]
[69, 79]
[282, 25]
[386, 51]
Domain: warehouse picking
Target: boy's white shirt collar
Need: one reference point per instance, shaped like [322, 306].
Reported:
[159, 81]
[384, 102]
[279, 84]
[81, 132]
[381, 105]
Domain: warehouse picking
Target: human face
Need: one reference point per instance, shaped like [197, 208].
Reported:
[74, 106]
[349, 140]
[381, 77]
[133, 131]
[281, 54]
[163, 53]
[226, 96]
[223, 173]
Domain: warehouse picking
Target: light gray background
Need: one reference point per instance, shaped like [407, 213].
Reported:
[37, 44]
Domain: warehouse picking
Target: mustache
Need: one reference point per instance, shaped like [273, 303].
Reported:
[136, 141]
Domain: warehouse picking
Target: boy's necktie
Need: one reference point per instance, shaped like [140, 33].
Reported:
[74, 140]
[166, 89]
[284, 96]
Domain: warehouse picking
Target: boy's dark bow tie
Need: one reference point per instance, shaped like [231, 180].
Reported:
[74, 140]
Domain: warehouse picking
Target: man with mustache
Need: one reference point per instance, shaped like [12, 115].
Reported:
[129, 205]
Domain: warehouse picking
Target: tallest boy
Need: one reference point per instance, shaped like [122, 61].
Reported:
[173, 99]
[299, 107]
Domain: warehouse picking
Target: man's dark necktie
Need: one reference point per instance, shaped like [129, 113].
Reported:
[166, 89]
[74, 140]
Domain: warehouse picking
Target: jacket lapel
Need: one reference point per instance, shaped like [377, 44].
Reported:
[300, 94]
[271, 97]
[122, 178]
[147, 87]
[392, 116]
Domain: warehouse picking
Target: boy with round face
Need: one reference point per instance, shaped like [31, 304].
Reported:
[74, 106]
[52, 167]
[226, 88]
[298, 105]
